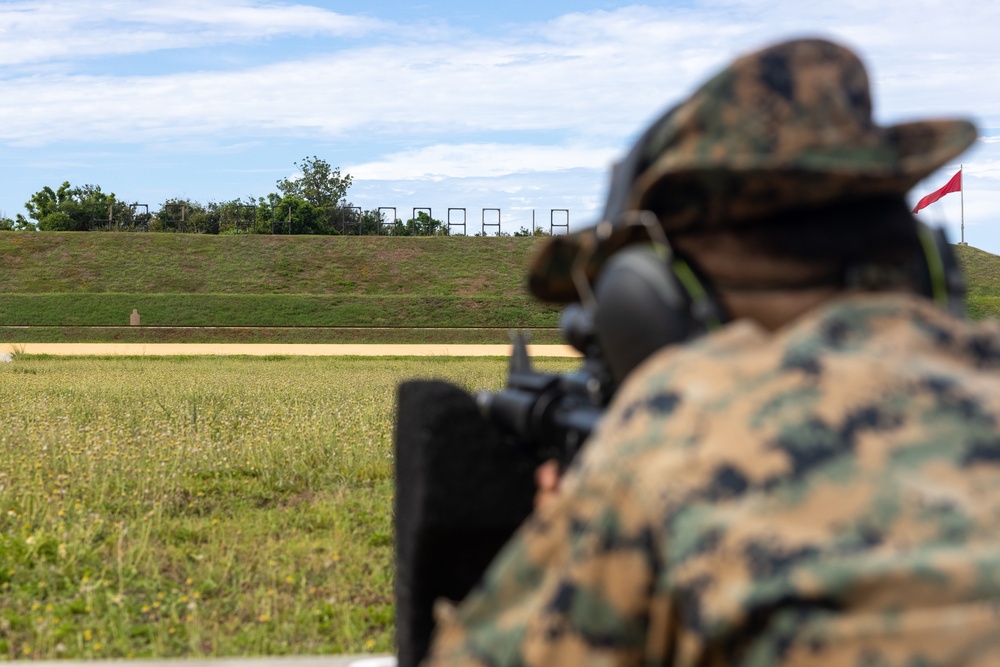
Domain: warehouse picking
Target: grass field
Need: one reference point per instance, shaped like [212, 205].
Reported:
[76, 280]
[982, 276]
[270, 310]
[202, 506]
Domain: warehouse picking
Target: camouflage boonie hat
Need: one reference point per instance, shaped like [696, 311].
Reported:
[788, 127]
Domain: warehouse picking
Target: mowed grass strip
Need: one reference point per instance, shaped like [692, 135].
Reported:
[270, 310]
[270, 335]
[202, 506]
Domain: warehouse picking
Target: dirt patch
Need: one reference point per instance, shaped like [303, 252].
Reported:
[395, 254]
[470, 286]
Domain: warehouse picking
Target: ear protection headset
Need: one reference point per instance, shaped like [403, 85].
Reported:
[646, 297]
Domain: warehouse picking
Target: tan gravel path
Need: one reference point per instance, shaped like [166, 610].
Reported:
[259, 349]
[289, 661]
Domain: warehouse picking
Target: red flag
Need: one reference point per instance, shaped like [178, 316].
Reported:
[954, 185]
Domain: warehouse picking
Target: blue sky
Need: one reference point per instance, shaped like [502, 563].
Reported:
[518, 105]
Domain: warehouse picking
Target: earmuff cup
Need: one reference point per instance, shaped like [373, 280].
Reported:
[643, 306]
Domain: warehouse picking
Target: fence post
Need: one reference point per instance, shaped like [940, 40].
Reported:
[492, 224]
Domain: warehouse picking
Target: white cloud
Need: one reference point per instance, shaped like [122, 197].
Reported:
[598, 74]
[34, 31]
[481, 161]
[989, 169]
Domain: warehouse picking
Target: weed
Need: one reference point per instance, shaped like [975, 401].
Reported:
[202, 507]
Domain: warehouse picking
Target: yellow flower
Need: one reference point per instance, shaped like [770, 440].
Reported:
[264, 618]
[87, 635]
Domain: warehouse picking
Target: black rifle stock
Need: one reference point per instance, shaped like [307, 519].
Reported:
[465, 471]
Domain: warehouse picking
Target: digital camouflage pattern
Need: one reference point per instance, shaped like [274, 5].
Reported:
[825, 495]
[787, 127]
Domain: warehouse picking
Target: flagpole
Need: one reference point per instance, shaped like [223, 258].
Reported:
[960, 168]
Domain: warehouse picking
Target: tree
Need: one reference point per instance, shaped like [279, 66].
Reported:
[238, 217]
[320, 184]
[183, 215]
[354, 222]
[23, 224]
[75, 209]
[422, 225]
[299, 216]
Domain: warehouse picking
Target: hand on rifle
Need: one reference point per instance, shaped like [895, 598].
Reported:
[546, 483]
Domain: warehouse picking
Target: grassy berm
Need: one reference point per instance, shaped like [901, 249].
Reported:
[982, 277]
[358, 289]
[81, 287]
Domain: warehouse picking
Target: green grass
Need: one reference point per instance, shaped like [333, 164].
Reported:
[268, 310]
[102, 262]
[982, 277]
[268, 335]
[202, 506]
[75, 279]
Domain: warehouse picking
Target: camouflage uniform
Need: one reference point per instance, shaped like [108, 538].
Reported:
[828, 495]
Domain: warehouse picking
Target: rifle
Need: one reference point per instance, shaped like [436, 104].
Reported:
[465, 465]
[465, 470]
[552, 414]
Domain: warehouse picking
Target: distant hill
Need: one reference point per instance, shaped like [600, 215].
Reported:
[90, 279]
[100, 263]
[80, 280]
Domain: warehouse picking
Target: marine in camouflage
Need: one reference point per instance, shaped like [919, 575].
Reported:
[825, 495]
[787, 127]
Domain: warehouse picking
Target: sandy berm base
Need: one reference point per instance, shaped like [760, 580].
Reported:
[267, 349]
[281, 661]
